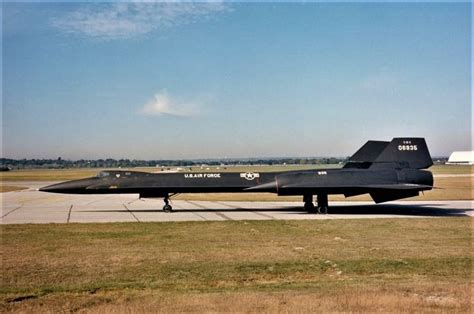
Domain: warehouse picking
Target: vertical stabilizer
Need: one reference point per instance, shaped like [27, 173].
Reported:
[366, 155]
[405, 152]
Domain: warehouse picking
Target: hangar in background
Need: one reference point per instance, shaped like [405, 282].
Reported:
[461, 158]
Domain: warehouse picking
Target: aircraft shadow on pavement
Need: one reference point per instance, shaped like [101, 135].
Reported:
[381, 209]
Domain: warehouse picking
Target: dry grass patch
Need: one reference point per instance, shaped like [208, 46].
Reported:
[11, 188]
[344, 265]
[48, 174]
[360, 299]
[452, 169]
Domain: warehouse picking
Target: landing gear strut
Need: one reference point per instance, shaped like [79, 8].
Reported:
[322, 203]
[308, 203]
[167, 208]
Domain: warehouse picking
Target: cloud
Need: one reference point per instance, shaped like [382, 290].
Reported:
[110, 21]
[162, 104]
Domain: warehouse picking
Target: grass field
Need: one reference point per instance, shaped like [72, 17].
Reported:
[344, 265]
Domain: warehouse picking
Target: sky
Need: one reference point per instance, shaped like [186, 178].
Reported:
[232, 80]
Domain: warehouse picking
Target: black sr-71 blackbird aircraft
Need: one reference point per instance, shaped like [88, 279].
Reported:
[386, 170]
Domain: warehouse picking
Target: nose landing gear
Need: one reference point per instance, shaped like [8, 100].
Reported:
[168, 208]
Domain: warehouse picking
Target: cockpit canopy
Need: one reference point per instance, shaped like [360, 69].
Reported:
[119, 173]
[103, 174]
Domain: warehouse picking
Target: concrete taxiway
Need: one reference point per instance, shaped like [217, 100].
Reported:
[31, 206]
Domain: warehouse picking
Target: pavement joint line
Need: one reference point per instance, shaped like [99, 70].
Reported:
[11, 211]
[240, 207]
[175, 204]
[29, 200]
[226, 205]
[189, 202]
[202, 217]
[215, 212]
[246, 209]
[197, 205]
[98, 200]
[223, 216]
[133, 201]
[69, 214]
[263, 215]
[128, 209]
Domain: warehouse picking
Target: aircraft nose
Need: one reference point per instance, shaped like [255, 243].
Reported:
[76, 186]
[50, 188]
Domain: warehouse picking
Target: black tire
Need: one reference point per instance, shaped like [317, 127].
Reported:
[167, 208]
[309, 207]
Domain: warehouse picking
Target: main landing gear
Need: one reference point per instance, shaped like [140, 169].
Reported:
[308, 203]
[322, 203]
[322, 207]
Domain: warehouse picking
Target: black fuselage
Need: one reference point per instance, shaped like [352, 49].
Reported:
[386, 170]
[327, 181]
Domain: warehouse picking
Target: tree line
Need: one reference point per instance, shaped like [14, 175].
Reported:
[59, 163]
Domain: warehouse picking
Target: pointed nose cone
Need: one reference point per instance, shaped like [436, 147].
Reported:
[51, 188]
[57, 188]
[45, 188]
[75, 187]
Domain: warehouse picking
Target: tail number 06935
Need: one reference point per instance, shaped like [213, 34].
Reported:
[407, 147]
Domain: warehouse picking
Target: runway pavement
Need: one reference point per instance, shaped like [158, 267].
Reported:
[31, 206]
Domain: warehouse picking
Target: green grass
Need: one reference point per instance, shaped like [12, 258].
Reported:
[237, 258]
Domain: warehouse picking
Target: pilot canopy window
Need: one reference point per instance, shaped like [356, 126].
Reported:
[103, 174]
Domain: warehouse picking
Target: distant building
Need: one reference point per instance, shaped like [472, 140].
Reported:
[461, 158]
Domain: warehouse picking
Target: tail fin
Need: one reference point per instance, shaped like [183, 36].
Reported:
[366, 155]
[405, 153]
